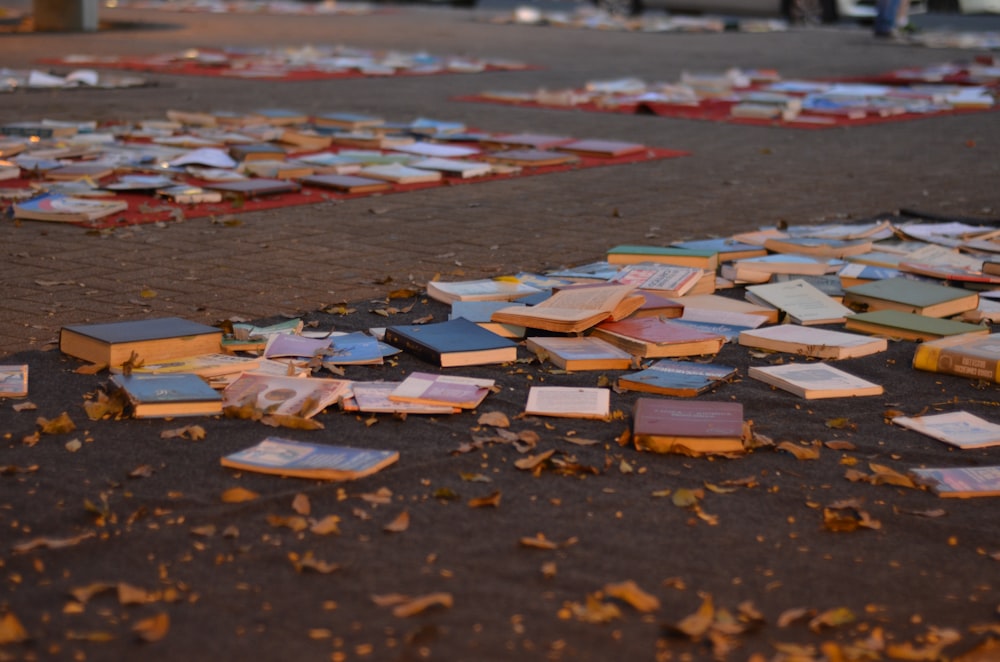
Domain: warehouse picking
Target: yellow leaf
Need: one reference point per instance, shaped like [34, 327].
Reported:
[398, 525]
[595, 610]
[421, 604]
[800, 452]
[832, 618]
[238, 495]
[83, 594]
[697, 624]
[300, 504]
[11, 630]
[327, 525]
[685, 498]
[888, 476]
[147, 293]
[309, 562]
[154, 628]
[293, 522]
[131, 595]
[490, 500]
[60, 425]
[497, 419]
[630, 592]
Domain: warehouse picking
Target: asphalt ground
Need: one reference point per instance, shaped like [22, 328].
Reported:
[921, 572]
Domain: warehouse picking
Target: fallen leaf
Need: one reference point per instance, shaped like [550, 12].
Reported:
[294, 522]
[153, 629]
[325, 526]
[398, 525]
[238, 495]
[533, 461]
[832, 618]
[492, 500]
[888, 476]
[848, 519]
[594, 610]
[59, 425]
[192, 432]
[382, 495]
[131, 595]
[52, 543]
[497, 419]
[11, 630]
[73, 445]
[840, 423]
[789, 616]
[685, 498]
[141, 471]
[420, 604]
[630, 592]
[539, 541]
[800, 452]
[300, 504]
[389, 599]
[24, 406]
[840, 445]
[581, 441]
[697, 624]
[310, 562]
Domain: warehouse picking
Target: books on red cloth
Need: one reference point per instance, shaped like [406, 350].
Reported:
[455, 342]
[299, 459]
[691, 427]
[655, 337]
[445, 390]
[65, 208]
[960, 482]
[163, 396]
[155, 339]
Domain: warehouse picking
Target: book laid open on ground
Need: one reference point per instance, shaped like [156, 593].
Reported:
[579, 353]
[814, 380]
[455, 342]
[569, 401]
[687, 426]
[684, 379]
[958, 428]
[299, 459]
[574, 309]
[975, 357]
[446, 390]
[960, 482]
[158, 339]
[812, 342]
[161, 396]
[13, 381]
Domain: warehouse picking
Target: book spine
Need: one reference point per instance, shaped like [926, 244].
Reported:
[413, 347]
[956, 362]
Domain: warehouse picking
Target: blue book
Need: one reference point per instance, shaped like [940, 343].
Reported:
[162, 396]
[683, 379]
[456, 342]
[728, 249]
[355, 349]
[285, 457]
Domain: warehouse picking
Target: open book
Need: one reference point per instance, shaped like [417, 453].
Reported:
[574, 308]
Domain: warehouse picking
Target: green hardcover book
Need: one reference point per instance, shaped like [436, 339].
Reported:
[910, 326]
[683, 257]
[910, 296]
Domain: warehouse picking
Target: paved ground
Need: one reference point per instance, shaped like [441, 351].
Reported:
[297, 259]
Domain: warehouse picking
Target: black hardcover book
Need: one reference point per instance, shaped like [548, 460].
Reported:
[456, 342]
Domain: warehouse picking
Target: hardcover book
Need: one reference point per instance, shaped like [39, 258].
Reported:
[400, 174]
[684, 379]
[254, 187]
[681, 257]
[690, 427]
[531, 157]
[601, 148]
[974, 357]
[813, 381]
[802, 302]
[284, 457]
[152, 340]
[579, 353]
[480, 312]
[812, 342]
[960, 482]
[291, 396]
[654, 337]
[910, 296]
[456, 342]
[856, 273]
[445, 390]
[569, 402]
[910, 326]
[957, 428]
[162, 396]
[13, 381]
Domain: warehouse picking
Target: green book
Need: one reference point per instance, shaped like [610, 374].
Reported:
[684, 257]
[911, 296]
[910, 326]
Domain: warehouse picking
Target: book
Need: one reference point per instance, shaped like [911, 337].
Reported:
[346, 183]
[66, 208]
[454, 167]
[187, 195]
[910, 326]
[249, 337]
[818, 246]
[579, 353]
[715, 302]
[205, 366]
[284, 345]
[290, 396]
[455, 342]
[590, 272]
[356, 348]
[957, 428]
[856, 273]
[813, 381]
[963, 276]
[960, 482]
[537, 158]
[569, 402]
[13, 381]
[165, 396]
[80, 170]
[257, 152]
[910, 296]
[661, 425]
[400, 174]
[681, 257]
[721, 322]
[683, 379]
[156, 339]
[601, 148]
[373, 398]
[276, 169]
[480, 313]
[655, 305]
[828, 284]
[350, 121]
[574, 309]
[485, 289]
[801, 302]
[812, 342]
[532, 140]
[664, 279]
[974, 357]
[656, 338]
[445, 390]
[298, 459]
[727, 249]
[252, 188]
[761, 269]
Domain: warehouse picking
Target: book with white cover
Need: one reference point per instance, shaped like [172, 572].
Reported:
[659, 277]
[400, 174]
[958, 428]
[812, 342]
[802, 302]
[463, 169]
[813, 381]
[485, 289]
[569, 401]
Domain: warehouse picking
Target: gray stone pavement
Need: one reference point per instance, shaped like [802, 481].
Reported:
[297, 259]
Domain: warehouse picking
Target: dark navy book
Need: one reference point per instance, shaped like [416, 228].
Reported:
[160, 396]
[456, 342]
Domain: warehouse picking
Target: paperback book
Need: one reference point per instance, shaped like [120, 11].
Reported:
[574, 309]
[579, 353]
[373, 398]
[801, 302]
[812, 342]
[970, 356]
[569, 402]
[911, 326]
[960, 482]
[445, 390]
[688, 427]
[65, 208]
[13, 381]
[289, 396]
[684, 379]
[910, 296]
[813, 381]
[656, 338]
[299, 459]
[958, 428]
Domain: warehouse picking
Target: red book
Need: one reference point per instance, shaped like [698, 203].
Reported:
[655, 337]
[686, 426]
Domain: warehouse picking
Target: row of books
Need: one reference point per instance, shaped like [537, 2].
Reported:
[78, 171]
[593, 18]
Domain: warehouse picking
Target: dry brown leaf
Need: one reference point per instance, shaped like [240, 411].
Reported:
[141, 471]
[848, 518]
[83, 594]
[888, 476]
[398, 525]
[832, 618]
[697, 624]
[52, 543]
[482, 502]
[496, 419]
[294, 522]
[192, 432]
[62, 424]
[422, 603]
[789, 616]
[310, 562]
[291, 422]
[685, 498]
[530, 462]
[810, 452]
[581, 441]
[24, 406]
[325, 526]
[840, 445]
[154, 628]
[594, 610]
[382, 495]
[539, 541]
[131, 595]
[389, 599]
[93, 636]
[630, 592]
[238, 495]
[300, 504]
[204, 531]
[91, 369]
[11, 630]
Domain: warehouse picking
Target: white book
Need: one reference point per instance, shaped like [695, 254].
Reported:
[812, 342]
[659, 277]
[814, 381]
[485, 289]
[569, 401]
[958, 428]
[802, 302]
[464, 169]
[400, 174]
[435, 149]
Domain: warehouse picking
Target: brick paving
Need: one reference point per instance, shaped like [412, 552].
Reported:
[297, 259]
